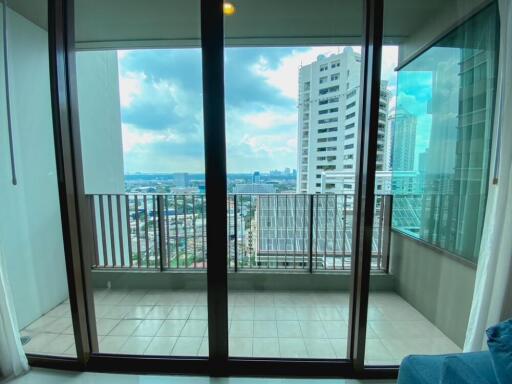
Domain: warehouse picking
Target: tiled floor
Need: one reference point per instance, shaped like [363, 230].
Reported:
[261, 324]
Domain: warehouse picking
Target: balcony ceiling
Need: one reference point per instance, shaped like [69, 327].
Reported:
[175, 23]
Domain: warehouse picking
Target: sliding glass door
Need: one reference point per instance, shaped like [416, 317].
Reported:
[432, 179]
[139, 89]
[293, 80]
[31, 240]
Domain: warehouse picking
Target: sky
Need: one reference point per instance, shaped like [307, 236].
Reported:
[161, 107]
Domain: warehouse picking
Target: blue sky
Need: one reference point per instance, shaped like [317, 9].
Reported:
[161, 107]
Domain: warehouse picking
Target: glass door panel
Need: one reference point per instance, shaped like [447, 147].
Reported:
[438, 136]
[292, 74]
[141, 126]
[31, 241]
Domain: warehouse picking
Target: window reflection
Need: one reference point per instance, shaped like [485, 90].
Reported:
[442, 132]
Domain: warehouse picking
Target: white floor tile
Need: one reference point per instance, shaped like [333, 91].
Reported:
[171, 328]
[187, 346]
[160, 346]
[319, 348]
[288, 328]
[135, 345]
[241, 328]
[240, 346]
[265, 347]
[265, 328]
[125, 328]
[148, 328]
[194, 328]
[292, 347]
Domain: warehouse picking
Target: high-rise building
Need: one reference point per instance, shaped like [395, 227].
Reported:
[328, 120]
[256, 177]
[327, 133]
[403, 128]
[181, 179]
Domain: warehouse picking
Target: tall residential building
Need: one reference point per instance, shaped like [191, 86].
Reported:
[256, 177]
[403, 128]
[328, 121]
[181, 179]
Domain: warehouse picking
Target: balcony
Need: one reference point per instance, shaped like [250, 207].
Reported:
[289, 263]
[267, 232]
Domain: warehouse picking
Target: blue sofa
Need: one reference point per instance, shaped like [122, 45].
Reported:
[488, 367]
[462, 368]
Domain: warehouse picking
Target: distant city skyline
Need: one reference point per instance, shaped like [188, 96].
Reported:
[263, 172]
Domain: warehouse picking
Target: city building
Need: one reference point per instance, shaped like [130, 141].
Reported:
[256, 177]
[181, 179]
[185, 190]
[403, 131]
[255, 188]
[328, 120]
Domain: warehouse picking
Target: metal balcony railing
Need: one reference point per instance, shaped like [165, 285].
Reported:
[296, 232]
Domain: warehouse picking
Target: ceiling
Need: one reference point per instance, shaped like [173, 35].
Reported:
[110, 24]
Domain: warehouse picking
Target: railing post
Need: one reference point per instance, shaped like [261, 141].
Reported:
[96, 256]
[120, 229]
[161, 231]
[236, 234]
[386, 230]
[111, 231]
[310, 244]
[380, 229]
[103, 231]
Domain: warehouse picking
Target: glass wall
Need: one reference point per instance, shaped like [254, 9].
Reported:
[442, 132]
[31, 244]
[439, 134]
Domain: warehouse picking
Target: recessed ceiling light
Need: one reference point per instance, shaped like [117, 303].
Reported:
[229, 8]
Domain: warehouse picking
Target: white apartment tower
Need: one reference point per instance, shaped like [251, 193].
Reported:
[328, 122]
[403, 128]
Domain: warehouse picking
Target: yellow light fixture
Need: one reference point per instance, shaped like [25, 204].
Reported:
[228, 8]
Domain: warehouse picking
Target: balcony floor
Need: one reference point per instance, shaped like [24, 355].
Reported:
[262, 324]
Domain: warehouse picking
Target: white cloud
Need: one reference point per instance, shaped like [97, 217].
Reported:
[389, 63]
[270, 119]
[271, 145]
[135, 139]
[286, 76]
[121, 54]
[130, 86]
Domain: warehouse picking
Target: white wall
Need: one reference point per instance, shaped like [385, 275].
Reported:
[101, 136]
[100, 121]
[30, 227]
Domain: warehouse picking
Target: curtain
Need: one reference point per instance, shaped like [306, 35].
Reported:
[12, 357]
[492, 298]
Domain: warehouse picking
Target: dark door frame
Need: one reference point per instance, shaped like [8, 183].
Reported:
[76, 230]
[364, 197]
